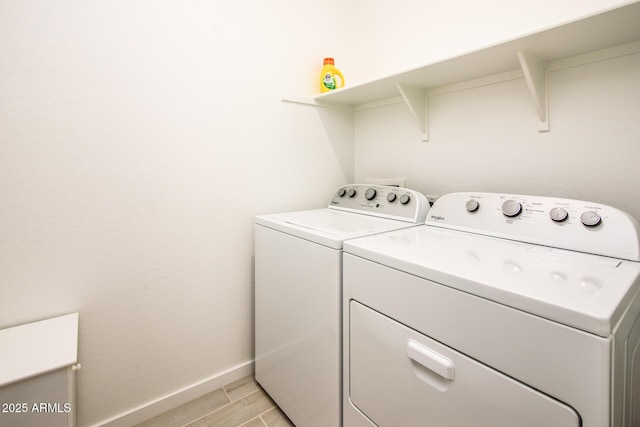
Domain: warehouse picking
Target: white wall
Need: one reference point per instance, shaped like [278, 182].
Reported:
[486, 139]
[137, 142]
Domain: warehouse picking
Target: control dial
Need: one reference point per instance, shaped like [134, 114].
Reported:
[351, 193]
[370, 194]
[391, 197]
[590, 218]
[404, 199]
[472, 205]
[511, 208]
[559, 214]
[342, 192]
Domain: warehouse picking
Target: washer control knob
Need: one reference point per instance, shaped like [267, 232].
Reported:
[472, 205]
[342, 192]
[590, 218]
[511, 208]
[370, 194]
[559, 214]
[391, 197]
[405, 198]
[351, 192]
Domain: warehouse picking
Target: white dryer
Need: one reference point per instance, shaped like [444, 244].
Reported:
[502, 311]
[298, 294]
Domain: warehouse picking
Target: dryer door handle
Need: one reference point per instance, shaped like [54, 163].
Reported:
[431, 360]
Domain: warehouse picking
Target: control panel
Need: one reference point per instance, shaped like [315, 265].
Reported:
[383, 201]
[556, 222]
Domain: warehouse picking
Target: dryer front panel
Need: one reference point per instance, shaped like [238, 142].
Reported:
[399, 377]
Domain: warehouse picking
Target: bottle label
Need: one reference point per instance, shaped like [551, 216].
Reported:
[328, 81]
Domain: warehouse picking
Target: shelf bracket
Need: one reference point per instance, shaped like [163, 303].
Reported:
[535, 73]
[417, 101]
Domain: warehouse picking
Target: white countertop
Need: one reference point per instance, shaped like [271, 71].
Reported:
[39, 347]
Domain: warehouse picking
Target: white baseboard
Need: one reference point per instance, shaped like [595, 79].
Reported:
[177, 398]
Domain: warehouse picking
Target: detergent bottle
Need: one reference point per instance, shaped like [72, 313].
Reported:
[328, 81]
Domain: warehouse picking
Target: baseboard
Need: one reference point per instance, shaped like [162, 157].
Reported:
[177, 398]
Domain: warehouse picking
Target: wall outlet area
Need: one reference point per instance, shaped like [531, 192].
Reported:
[393, 182]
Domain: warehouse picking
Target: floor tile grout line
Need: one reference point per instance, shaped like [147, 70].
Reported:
[264, 412]
[224, 388]
[224, 406]
[227, 394]
[248, 421]
[273, 408]
[212, 412]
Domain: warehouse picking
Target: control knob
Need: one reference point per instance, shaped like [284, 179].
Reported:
[405, 198]
[370, 194]
[472, 205]
[351, 193]
[511, 208]
[559, 214]
[342, 192]
[391, 197]
[590, 218]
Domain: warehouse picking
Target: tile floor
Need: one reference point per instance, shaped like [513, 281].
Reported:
[242, 403]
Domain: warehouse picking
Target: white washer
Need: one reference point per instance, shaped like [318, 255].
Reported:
[502, 311]
[298, 294]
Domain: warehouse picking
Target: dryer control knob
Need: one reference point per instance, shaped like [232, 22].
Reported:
[559, 214]
[405, 198]
[370, 194]
[472, 205]
[342, 192]
[391, 197]
[590, 218]
[511, 208]
[351, 192]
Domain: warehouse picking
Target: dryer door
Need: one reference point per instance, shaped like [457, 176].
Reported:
[399, 377]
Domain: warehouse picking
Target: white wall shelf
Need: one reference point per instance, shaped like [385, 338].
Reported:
[612, 33]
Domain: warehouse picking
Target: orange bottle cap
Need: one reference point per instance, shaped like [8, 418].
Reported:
[328, 61]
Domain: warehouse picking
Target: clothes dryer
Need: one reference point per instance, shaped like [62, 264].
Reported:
[502, 311]
[298, 294]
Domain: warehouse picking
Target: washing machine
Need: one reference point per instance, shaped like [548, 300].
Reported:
[502, 310]
[298, 294]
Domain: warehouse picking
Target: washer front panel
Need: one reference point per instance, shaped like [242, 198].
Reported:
[298, 326]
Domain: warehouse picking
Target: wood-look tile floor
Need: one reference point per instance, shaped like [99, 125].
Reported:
[242, 403]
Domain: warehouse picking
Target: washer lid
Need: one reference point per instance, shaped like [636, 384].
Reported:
[585, 291]
[329, 227]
